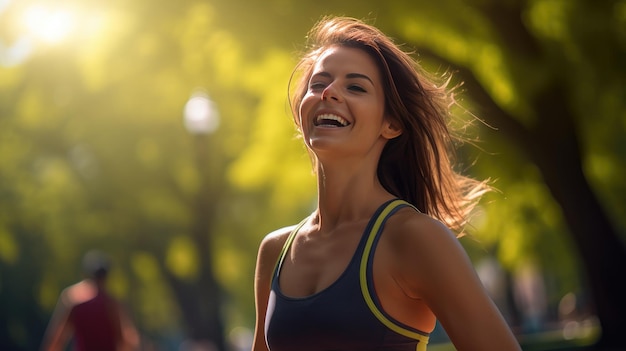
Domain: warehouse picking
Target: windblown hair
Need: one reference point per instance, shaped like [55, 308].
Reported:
[417, 165]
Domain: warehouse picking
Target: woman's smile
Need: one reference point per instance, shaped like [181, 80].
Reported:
[330, 121]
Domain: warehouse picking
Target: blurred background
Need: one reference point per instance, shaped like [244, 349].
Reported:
[159, 132]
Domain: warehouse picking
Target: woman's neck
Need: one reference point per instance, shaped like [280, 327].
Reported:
[347, 193]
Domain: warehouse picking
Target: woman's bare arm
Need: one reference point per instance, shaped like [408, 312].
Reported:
[438, 270]
[269, 250]
[59, 330]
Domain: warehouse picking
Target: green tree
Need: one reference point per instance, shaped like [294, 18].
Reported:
[93, 152]
[537, 72]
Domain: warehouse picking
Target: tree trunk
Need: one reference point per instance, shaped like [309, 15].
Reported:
[554, 147]
[200, 300]
[556, 152]
[200, 308]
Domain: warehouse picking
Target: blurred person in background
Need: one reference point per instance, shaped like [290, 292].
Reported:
[89, 316]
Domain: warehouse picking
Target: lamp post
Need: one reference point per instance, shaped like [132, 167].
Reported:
[201, 117]
[202, 313]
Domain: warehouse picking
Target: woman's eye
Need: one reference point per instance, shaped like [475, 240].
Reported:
[317, 86]
[356, 88]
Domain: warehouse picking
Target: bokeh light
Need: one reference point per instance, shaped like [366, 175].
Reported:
[50, 25]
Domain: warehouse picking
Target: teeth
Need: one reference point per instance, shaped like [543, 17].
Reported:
[326, 117]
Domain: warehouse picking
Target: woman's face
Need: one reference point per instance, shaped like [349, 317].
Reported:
[343, 108]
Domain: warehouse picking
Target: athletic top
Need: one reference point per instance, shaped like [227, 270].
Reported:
[346, 316]
[96, 324]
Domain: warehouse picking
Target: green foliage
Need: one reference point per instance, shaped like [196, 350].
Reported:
[93, 152]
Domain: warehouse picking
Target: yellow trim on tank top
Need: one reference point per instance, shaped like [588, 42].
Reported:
[422, 339]
[286, 245]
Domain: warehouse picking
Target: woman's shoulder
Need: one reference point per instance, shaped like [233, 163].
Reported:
[269, 253]
[425, 254]
[273, 243]
[416, 224]
[420, 233]
[277, 237]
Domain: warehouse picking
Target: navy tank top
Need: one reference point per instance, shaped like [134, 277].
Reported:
[346, 316]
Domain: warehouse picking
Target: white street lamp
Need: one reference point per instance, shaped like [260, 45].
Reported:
[201, 119]
[201, 116]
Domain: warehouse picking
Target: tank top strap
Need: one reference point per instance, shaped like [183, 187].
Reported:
[373, 231]
[286, 246]
[365, 275]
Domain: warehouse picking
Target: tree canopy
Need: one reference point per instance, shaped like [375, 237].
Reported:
[94, 153]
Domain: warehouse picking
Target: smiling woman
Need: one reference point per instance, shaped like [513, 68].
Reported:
[375, 265]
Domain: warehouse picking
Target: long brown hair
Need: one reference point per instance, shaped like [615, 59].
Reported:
[417, 165]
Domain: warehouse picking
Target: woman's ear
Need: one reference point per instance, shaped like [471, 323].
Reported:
[390, 129]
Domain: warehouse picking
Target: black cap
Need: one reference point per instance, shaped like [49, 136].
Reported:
[96, 264]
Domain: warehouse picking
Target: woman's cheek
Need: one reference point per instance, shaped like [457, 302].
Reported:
[305, 108]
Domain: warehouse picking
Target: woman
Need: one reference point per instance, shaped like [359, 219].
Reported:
[375, 265]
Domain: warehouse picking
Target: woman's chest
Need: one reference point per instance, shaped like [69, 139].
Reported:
[313, 263]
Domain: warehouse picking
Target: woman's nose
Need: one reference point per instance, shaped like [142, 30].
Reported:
[331, 93]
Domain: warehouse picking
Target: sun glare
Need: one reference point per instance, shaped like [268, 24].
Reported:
[49, 25]
[42, 24]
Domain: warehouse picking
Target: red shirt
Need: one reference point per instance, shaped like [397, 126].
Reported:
[96, 324]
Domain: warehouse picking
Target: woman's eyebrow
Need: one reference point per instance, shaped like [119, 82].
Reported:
[349, 75]
[359, 75]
